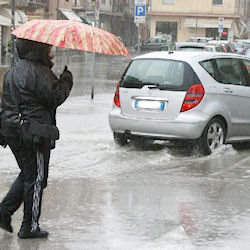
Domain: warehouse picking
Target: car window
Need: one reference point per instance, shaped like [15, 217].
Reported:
[191, 48]
[166, 74]
[230, 71]
[227, 47]
[202, 40]
[209, 67]
[247, 45]
[219, 49]
[246, 70]
[247, 64]
[209, 49]
[238, 45]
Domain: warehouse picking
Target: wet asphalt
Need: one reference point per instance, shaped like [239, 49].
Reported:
[153, 196]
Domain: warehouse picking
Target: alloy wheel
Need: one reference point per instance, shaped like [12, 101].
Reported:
[215, 136]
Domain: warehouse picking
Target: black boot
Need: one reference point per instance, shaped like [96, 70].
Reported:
[23, 234]
[5, 221]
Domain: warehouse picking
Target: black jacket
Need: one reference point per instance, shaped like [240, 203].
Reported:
[31, 88]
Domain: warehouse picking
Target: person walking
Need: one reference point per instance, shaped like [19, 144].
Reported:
[31, 95]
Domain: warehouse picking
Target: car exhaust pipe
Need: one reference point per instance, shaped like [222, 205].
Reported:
[127, 134]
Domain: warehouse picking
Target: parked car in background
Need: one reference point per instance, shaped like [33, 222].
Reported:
[248, 53]
[226, 45]
[189, 46]
[240, 48]
[245, 42]
[157, 43]
[200, 39]
[199, 97]
[214, 48]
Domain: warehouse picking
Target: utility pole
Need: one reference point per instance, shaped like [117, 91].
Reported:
[12, 56]
[96, 24]
[149, 19]
[138, 37]
[57, 9]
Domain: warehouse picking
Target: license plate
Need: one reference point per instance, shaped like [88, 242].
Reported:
[148, 104]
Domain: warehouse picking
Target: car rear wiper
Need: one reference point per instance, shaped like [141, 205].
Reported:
[152, 84]
[161, 86]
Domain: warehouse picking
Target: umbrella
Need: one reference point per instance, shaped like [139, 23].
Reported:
[71, 35]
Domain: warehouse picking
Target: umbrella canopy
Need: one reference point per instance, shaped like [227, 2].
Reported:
[71, 35]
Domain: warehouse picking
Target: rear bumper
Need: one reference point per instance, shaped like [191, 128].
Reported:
[184, 126]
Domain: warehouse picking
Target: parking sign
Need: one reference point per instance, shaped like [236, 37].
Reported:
[220, 25]
[140, 11]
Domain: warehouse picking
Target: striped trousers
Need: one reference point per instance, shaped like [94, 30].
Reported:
[28, 186]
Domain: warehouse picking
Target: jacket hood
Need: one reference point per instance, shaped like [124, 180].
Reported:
[34, 51]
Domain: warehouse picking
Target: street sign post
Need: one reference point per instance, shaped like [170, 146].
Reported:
[140, 13]
[140, 16]
[220, 26]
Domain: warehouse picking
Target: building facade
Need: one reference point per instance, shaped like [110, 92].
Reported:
[191, 18]
[6, 23]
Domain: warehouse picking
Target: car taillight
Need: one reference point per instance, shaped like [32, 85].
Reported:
[117, 96]
[193, 97]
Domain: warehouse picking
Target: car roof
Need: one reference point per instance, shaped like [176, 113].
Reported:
[188, 56]
[193, 44]
[218, 42]
[213, 45]
[201, 37]
[243, 40]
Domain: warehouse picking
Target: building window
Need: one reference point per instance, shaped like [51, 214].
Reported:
[167, 29]
[168, 1]
[217, 2]
[213, 32]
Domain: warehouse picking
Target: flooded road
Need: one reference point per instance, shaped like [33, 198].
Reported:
[102, 196]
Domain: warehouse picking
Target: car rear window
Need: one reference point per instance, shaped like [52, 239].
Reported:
[191, 48]
[166, 74]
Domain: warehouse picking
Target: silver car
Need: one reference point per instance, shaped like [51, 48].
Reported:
[200, 97]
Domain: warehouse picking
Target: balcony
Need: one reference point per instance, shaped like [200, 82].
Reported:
[19, 3]
[124, 8]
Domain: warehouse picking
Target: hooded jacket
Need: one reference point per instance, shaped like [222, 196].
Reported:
[31, 90]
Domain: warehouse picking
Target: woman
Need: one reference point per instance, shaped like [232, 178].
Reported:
[31, 94]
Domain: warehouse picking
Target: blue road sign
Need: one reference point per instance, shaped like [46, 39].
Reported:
[140, 10]
[220, 28]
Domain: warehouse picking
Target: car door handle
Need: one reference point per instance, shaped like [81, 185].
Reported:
[228, 90]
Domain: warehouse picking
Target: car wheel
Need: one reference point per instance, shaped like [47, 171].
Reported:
[120, 139]
[212, 137]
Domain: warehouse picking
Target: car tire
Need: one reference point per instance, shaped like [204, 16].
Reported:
[212, 137]
[120, 139]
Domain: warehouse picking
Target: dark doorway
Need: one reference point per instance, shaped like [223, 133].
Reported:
[213, 32]
[167, 28]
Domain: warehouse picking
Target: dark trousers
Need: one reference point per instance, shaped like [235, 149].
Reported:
[29, 185]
